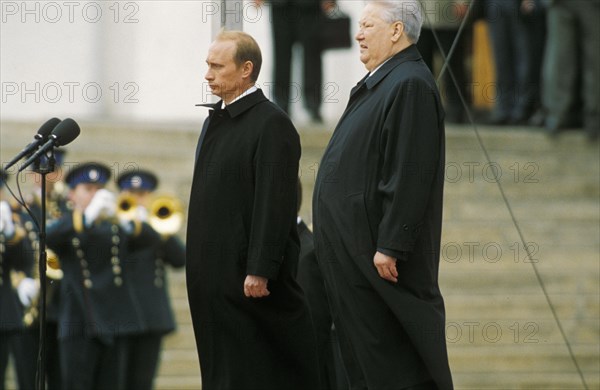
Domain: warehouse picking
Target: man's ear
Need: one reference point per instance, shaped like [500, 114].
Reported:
[247, 68]
[397, 31]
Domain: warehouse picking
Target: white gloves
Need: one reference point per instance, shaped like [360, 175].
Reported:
[7, 227]
[28, 290]
[141, 214]
[103, 204]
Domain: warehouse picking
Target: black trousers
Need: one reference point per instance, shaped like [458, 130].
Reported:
[143, 354]
[88, 364]
[292, 23]
[22, 347]
[428, 46]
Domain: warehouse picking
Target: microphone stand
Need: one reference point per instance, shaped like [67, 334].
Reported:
[43, 166]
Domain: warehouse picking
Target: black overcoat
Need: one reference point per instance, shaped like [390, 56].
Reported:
[242, 220]
[380, 187]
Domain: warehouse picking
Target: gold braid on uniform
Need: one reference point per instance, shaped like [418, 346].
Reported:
[115, 260]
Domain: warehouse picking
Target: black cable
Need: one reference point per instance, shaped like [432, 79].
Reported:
[500, 188]
[21, 201]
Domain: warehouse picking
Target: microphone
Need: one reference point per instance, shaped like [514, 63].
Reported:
[40, 138]
[64, 133]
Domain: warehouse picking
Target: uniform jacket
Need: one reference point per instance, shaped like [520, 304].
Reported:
[15, 255]
[97, 299]
[147, 272]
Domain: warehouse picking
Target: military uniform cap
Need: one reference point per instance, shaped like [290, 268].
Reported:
[91, 172]
[138, 180]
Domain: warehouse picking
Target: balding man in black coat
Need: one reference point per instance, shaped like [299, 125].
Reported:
[377, 208]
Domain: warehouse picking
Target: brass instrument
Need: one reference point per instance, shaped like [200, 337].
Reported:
[166, 215]
[53, 270]
[165, 212]
[126, 207]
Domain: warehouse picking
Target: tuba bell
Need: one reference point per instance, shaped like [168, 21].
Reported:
[166, 215]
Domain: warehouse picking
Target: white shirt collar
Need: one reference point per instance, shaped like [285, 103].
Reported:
[380, 65]
[247, 92]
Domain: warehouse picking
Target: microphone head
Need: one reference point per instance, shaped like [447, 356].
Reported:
[47, 128]
[65, 132]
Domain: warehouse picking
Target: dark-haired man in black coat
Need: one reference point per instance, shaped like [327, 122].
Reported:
[377, 208]
[250, 317]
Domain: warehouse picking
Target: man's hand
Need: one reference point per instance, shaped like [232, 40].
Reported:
[386, 266]
[256, 286]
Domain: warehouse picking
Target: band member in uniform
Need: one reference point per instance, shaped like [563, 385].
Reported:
[56, 205]
[16, 259]
[146, 268]
[98, 308]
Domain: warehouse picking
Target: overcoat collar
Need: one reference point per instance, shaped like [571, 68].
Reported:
[409, 54]
[240, 106]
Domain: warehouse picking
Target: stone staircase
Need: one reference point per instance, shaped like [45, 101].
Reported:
[501, 332]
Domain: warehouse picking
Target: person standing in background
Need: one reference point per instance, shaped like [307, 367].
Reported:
[516, 82]
[572, 66]
[297, 21]
[98, 310]
[16, 258]
[146, 268]
[56, 206]
[310, 277]
[443, 18]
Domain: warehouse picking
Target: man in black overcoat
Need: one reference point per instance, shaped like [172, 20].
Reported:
[250, 317]
[377, 208]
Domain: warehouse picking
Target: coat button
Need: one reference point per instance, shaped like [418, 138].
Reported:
[405, 227]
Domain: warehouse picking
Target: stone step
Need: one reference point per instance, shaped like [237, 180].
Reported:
[552, 186]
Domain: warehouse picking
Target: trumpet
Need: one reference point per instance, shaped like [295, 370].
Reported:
[165, 212]
[126, 207]
[166, 215]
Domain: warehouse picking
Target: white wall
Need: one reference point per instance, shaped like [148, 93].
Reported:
[132, 61]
